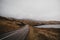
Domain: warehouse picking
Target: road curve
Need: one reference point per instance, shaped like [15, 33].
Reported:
[19, 34]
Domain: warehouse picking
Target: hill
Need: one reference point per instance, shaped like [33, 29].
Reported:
[11, 24]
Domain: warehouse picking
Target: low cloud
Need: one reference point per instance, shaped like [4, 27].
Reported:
[31, 9]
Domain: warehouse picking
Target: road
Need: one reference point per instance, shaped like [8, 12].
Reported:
[19, 34]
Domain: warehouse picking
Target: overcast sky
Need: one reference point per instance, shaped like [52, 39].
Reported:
[31, 9]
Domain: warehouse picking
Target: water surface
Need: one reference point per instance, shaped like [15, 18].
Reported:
[48, 26]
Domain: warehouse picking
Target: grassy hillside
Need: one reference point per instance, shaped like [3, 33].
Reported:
[7, 25]
[43, 34]
[11, 24]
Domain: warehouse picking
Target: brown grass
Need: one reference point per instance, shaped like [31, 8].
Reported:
[10, 24]
[43, 34]
[6, 26]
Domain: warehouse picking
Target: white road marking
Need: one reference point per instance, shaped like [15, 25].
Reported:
[15, 32]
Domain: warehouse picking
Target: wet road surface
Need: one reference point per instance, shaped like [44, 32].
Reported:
[19, 34]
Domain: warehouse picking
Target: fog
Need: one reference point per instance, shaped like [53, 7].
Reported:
[31, 9]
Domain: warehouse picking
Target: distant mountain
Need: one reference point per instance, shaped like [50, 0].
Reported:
[30, 22]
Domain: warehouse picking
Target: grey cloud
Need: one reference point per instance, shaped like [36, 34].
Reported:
[31, 9]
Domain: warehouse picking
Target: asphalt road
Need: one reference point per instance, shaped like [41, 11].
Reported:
[19, 34]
